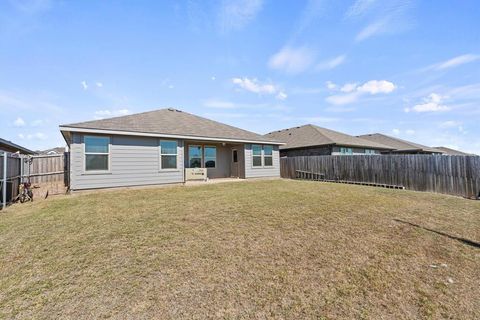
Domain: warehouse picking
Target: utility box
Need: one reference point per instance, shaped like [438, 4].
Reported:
[195, 174]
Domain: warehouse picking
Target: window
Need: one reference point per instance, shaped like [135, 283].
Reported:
[210, 157]
[257, 155]
[235, 156]
[195, 156]
[168, 154]
[97, 150]
[268, 156]
[369, 151]
[346, 150]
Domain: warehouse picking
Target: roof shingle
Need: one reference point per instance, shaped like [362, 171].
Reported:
[310, 135]
[398, 144]
[170, 122]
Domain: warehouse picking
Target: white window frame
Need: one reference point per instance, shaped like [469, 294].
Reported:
[261, 156]
[201, 154]
[370, 151]
[265, 156]
[169, 154]
[205, 156]
[85, 153]
[349, 151]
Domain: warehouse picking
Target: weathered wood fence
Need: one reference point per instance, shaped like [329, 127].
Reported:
[455, 175]
[46, 173]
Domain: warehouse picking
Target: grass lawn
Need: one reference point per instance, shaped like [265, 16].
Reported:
[261, 249]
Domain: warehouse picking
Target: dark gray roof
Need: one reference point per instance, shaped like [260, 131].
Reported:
[310, 135]
[398, 144]
[12, 147]
[453, 152]
[170, 122]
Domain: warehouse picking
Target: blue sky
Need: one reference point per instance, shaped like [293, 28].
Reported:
[403, 67]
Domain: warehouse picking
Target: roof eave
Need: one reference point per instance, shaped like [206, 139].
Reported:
[163, 135]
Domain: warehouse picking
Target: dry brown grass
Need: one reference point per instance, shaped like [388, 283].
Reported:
[263, 249]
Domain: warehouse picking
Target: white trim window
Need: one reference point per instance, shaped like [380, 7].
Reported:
[344, 150]
[97, 153]
[194, 156]
[168, 154]
[268, 156]
[370, 151]
[210, 157]
[256, 155]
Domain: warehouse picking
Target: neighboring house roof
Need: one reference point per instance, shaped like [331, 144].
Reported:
[453, 152]
[168, 123]
[310, 136]
[56, 150]
[398, 144]
[12, 147]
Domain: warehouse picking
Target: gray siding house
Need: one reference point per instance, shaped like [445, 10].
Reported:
[156, 147]
[311, 140]
[399, 146]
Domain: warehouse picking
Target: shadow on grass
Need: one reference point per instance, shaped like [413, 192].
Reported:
[463, 240]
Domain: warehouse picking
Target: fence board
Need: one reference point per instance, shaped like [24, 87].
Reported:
[455, 175]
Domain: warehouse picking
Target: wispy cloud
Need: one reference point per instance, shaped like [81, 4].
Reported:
[313, 10]
[359, 8]
[33, 136]
[84, 85]
[377, 86]
[432, 103]
[236, 14]
[292, 60]
[371, 30]
[384, 17]
[332, 63]
[454, 62]
[353, 91]
[255, 86]
[19, 122]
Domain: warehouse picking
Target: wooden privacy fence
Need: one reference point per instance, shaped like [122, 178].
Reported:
[47, 173]
[455, 175]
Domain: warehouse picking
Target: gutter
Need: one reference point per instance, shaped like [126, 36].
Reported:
[162, 135]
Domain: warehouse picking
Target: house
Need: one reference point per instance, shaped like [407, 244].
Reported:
[156, 147]
[9, 146]
[52, 151]
[399, 146]
[310, 140]
[452, 152]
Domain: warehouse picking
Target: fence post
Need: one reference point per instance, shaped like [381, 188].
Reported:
[4, 185]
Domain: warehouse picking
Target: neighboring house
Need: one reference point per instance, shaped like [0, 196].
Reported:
[155, 147]
[311, 140]
[53, 151]
[399, 146]
[12, 147]
[453, 152]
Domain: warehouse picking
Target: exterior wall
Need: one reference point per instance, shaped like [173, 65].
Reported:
[133, 161]
[356, 151]
[258, 172]
[222, 165]
[314, 151]
[322, 151]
